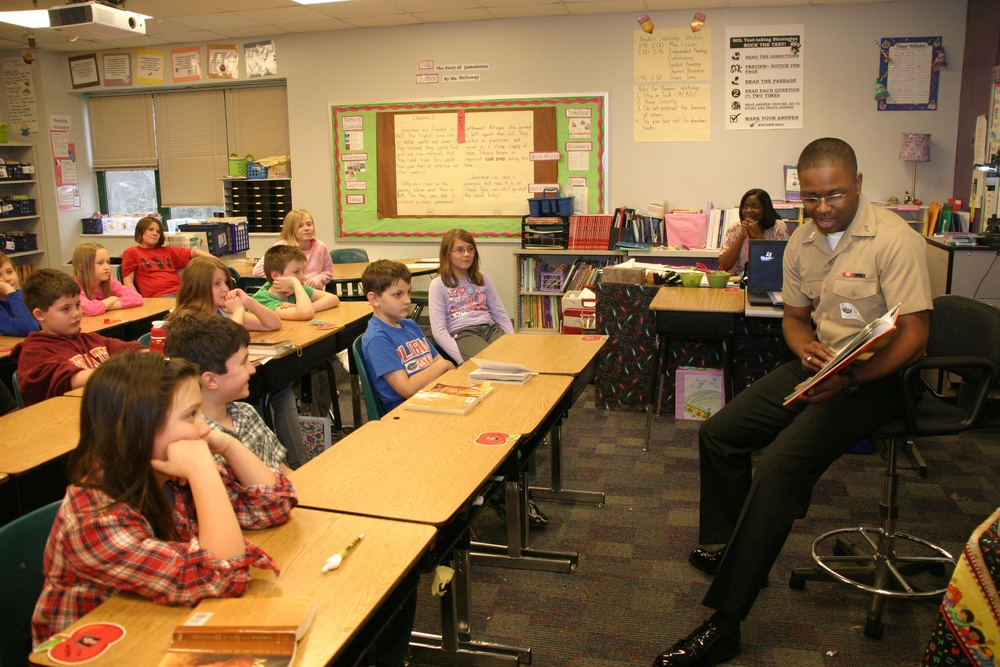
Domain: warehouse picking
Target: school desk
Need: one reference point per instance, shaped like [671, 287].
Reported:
[348, 598]
[129, 323]
[531, 409]
[314, 348]
[574, 355]
[700, 312]
[34, 441]
[410, 468]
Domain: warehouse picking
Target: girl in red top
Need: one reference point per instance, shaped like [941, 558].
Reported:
[147, 509]
[99, 292]
[151, 268]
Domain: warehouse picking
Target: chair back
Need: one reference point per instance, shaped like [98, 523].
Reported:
[22, 547]
[373, 405]
[17, 390]
[235, 275]
[251, 284]
[144, 339]
[964, 327]
[348, 255]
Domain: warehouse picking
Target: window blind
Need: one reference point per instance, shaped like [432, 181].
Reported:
[257, 120]
[121, 132]
[191, 138]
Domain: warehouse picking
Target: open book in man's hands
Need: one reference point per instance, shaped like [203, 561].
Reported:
[864, 341]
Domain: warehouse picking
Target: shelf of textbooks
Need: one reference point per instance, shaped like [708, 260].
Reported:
[22, 235]
[545, 275]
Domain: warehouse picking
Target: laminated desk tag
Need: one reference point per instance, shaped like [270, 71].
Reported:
[591, 338]
[326, 326]
[86, 643]
[496, 438]
[318, 322]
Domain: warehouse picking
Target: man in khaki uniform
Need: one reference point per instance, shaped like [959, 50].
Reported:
[847, 265]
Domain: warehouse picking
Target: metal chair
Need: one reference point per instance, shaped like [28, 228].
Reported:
[22, 547]
[373, 406]
[251, 284]
[346, 290]
[965, 342]
[17, 390]
[348, 255]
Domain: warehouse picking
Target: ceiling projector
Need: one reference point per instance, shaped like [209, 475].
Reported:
[93, 20]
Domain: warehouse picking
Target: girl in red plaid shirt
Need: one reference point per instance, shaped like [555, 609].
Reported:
[147, 509]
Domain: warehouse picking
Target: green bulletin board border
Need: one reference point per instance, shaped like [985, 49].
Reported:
[362, 221]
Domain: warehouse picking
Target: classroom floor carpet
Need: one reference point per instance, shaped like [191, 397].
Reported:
[634, 593]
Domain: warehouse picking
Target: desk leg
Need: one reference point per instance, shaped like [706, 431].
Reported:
[656, 390]
[516, 554]
[556, 491]
[455, 645]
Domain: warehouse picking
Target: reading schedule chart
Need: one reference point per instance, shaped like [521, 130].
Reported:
[346, 598]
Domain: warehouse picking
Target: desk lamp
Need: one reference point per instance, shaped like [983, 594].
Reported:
[915, 148]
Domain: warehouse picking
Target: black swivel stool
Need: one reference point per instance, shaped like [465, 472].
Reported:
[964, 342]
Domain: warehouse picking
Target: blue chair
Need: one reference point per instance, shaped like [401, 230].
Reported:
[348, 255]
[22, 547]
[373, 405]
[144, 339]
[235, 275]
[251, 284]
[17, 390]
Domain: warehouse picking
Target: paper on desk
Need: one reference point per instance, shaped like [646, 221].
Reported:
[776, 298]
[503, 366]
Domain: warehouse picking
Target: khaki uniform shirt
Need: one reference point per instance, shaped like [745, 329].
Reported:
[880, 261]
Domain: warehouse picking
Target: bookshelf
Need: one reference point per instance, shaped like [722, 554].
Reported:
[541, 285]
[21, 216]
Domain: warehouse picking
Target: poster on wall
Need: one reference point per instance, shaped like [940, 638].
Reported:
[906, 69]
[83, 71]
[764, 71]
[672, 73]
[117, 69]
[149, 66]
[21, 103]
[260, 58]
[186, 64]
[64, 162]
[223, 61]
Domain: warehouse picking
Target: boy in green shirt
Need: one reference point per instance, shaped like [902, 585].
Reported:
[284, 267]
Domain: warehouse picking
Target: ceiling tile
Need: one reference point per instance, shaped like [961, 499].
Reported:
[478, 14]
[344, 10]
[296, 14]
[384, 21]
[326, 23]
[213, 21]
[551, 9]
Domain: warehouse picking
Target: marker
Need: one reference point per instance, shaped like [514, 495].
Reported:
[334, 561]
[848, 274]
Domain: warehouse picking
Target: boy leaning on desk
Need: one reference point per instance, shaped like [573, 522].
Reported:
[60, 357]
[219, 347]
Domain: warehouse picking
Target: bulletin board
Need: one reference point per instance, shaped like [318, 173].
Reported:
[418, 169]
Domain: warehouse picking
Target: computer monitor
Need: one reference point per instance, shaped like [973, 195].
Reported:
[764, 265]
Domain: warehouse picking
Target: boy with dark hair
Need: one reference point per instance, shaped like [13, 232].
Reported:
[285, 294]
[219, 347]
[60, 357]
[400, 359]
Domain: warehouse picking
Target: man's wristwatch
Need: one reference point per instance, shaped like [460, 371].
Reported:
[852, 383]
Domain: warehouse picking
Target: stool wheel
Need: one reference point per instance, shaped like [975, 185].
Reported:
[874, 629]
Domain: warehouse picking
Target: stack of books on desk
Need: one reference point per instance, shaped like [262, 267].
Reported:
[452, 399]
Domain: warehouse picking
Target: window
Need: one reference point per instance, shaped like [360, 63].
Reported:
[180, 144]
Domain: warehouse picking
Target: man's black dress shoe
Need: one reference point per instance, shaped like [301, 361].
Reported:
[704, 647]
[706, 560]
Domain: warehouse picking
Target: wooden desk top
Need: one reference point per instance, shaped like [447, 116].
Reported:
[38, 433]
[418, 466]
[698, 299]
[563, 354]
[346, 597]
[303, 333]
[512, 408]
[349, 271]
[7, 344]
[149, 308]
